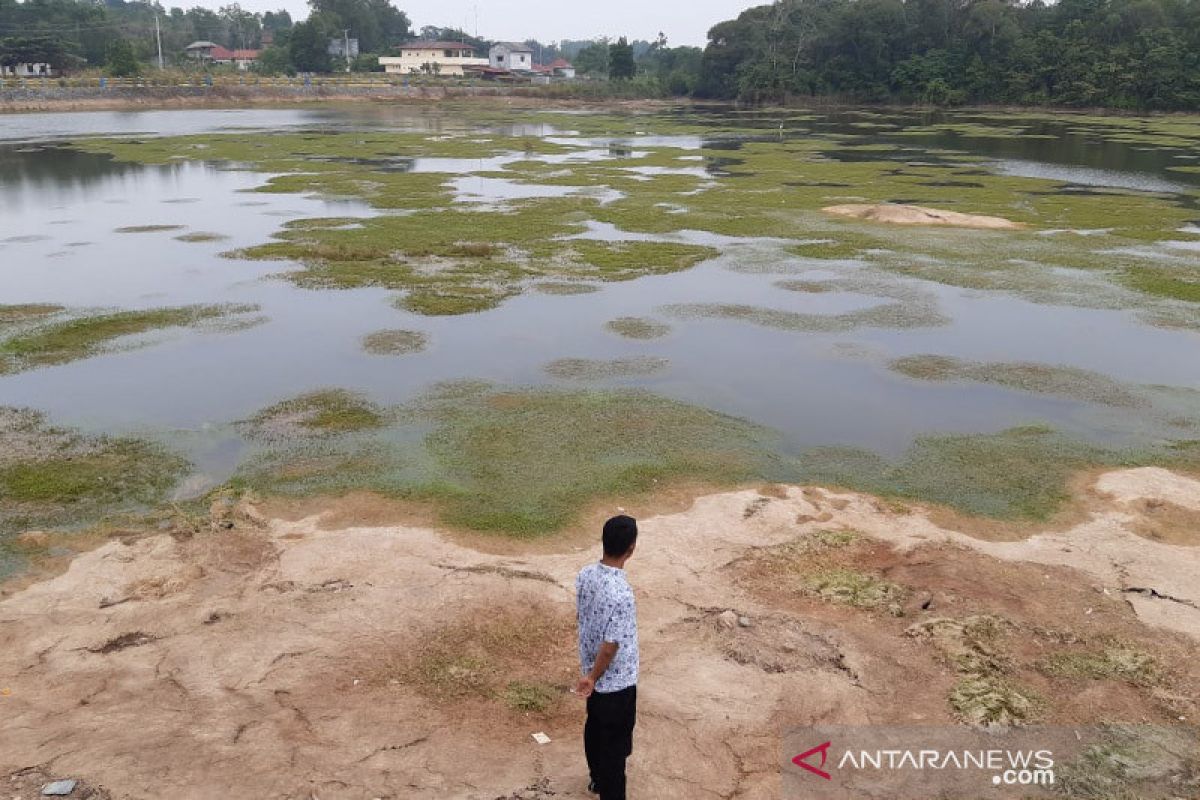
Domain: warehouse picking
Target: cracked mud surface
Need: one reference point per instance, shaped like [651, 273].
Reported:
[285, 659]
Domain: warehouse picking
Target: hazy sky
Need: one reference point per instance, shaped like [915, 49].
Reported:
[684, 21]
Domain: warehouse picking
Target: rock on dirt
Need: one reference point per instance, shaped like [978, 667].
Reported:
[896, 214]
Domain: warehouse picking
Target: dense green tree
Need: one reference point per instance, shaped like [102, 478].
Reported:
[593, 59]
[121, 61]
[377, 24]
[621, 65]
[1137, 54]
[275, 60]
[308, 47]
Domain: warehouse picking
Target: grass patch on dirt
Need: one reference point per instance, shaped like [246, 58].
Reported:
[530, 698]
[990, 700]
[971, 645]
[590, 369]
[974, 647]
[1131, 762]
[503, 657]
[853, 588]
[638, 328]
[84, 337]
[394, 342]
[1115, 662]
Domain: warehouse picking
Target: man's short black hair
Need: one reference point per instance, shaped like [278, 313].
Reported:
[620, 533]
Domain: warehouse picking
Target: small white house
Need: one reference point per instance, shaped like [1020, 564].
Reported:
[561, 68]
[511, 56]
[26, 70]
[432, 58]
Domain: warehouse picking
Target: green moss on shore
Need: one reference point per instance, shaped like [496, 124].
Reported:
[54, 477]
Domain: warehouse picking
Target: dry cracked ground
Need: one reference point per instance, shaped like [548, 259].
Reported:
[323, 651]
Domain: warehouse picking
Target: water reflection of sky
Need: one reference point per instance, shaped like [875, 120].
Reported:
[57, 244]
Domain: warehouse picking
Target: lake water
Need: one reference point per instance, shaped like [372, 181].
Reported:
[60, 208]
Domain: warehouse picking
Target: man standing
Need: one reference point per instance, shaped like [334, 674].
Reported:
[608, 659]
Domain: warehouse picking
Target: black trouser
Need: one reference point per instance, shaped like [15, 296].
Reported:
[608, 739]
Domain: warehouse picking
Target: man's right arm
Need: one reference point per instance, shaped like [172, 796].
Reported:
[604, 657]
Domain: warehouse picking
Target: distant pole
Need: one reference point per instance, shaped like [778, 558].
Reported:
[346, 33]
[158, 38]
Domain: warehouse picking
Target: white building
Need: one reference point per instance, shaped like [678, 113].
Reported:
[511, 56]
[27, 70]
[432, 58]
[337, 47]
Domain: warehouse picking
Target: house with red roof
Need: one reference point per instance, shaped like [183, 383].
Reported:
[561, 68]
[213, 53]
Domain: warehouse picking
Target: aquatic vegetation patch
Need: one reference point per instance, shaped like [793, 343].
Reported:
[590, 369]
[148, 228]
[638, 328]
[394, 342]
[87, 336]
[1021, 473]
[52, 477]
[1163, 281]
[330, 411]
[565, 288]
[1060, 381]
[913, 314]
[201, 236]
[27, 312]
[525, 462]
[439, 257]
[522, 462]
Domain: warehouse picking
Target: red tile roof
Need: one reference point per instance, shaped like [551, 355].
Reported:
[560, 63]
[219, 53]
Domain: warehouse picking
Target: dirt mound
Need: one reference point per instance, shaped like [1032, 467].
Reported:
[896, 214]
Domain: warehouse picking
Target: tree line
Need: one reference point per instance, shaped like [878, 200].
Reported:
[1127, 54]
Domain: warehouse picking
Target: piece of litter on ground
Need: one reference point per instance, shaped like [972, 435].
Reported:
[541, 738]
[58, 788]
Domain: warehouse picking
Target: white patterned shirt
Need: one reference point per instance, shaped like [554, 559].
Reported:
[606, 613]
